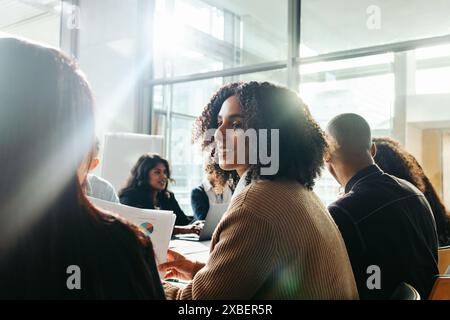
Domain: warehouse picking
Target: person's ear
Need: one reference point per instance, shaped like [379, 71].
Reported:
[94, 163]
[373, 150]
[327, 156]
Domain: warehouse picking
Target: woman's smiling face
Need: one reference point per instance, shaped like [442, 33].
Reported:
[158, 177]
[230, 127]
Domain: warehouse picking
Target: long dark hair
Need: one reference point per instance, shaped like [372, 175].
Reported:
[395, 160]
[139, 179]
[46, 222]
[266, 106]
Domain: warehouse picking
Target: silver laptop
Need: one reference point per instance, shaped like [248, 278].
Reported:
[213, 217]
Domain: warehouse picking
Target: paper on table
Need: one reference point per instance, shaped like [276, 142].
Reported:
[158, 224]
[188, 247]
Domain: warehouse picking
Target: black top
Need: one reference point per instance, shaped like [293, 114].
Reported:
[387, 222]
[199, 203]
[140, 198]
[116, 261]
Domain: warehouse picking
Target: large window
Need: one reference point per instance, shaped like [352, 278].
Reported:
[398, 81]
[330, 26]
[371, 57]
[432, 70]
[363, 85]
[193, 36]
[186, 161]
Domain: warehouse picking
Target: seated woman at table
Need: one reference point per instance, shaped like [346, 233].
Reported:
[146, 188]
[215, 189]
[276, 240]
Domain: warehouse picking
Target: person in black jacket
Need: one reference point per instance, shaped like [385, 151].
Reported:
[386, 222]
[214, 190]
[393, 159]
[147, 188]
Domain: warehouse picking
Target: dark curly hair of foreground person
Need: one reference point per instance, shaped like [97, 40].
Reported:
[264, 105]
[229, 178]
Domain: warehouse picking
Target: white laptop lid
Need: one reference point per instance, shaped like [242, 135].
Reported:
[213, 218]
[215, 214]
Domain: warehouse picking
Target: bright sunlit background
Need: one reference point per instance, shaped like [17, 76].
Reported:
[153, 65]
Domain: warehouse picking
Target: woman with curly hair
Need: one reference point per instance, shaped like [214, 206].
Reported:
[276, 240]
[396, 161]
[215, 189]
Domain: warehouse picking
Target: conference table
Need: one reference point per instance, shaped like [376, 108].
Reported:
[193, 250]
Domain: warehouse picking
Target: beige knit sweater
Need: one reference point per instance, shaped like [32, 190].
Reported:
[276, 241]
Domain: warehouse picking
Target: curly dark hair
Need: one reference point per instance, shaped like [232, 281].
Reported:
[396, 161]
[229, 178]
[222, 175]
[266, 106]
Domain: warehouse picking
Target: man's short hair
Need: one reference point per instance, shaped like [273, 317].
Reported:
[351, 132]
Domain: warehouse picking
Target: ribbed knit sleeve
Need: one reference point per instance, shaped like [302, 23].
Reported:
[237, 266]
[276, 241]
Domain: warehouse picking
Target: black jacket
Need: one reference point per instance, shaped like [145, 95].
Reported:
[199, 203]
[140, 198]
[387, 222]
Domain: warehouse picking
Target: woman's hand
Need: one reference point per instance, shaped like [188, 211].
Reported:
[192, 228]
[177, 266]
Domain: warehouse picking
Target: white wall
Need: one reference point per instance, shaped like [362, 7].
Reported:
[107, 54]
[429, 110]
[414, 141]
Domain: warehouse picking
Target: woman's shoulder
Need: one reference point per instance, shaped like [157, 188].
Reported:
[129, 192]
[166, 195]
[167, 199]
[280, 189]
[200, 188]
[272, 196]
[169, 194]
[198, 192]
[131, 196]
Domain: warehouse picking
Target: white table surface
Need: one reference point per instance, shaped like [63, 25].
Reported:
[193, 250]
